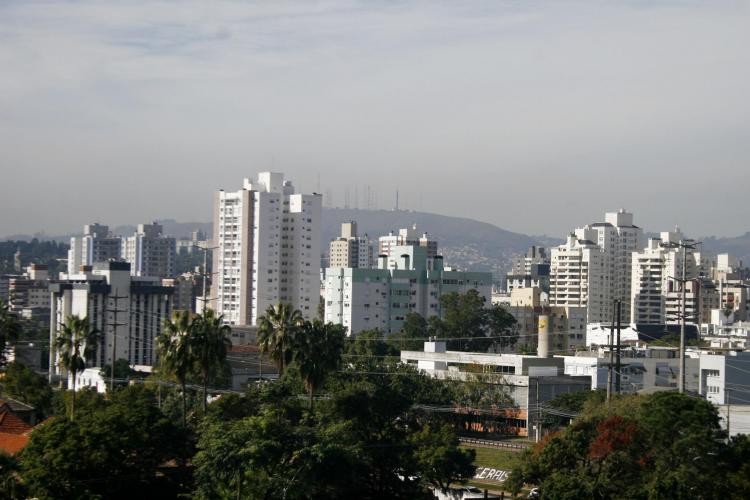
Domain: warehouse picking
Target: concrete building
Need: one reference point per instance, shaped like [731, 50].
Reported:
[528, 381]
[406, 281]
[529, 270]
[655, 296]
[31, 290]
[96, 245]
[725, 377]
[150, 252]
[187, 290]
[725, 331]
[268, 239]
[565, 326]
[405, 237]
[128, 310]
[580, 276]
[641, 369]
[195, 243]
[349, 249]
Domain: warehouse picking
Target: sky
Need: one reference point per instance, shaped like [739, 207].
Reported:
[536, 116]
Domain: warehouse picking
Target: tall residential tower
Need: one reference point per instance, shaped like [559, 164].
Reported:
[268, 249]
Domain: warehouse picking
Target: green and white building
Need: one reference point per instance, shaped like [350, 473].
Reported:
[404, 281]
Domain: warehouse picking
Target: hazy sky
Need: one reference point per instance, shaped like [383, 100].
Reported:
[536, 116]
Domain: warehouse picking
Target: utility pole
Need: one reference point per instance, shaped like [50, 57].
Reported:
[204, 276]
[611, 358]
[116, 298]
[729, 409]
[685, 245]
[618, 381]
[683, 297]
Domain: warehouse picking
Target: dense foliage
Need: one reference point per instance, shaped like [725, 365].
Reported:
[22, 383]
[465, 321]
[34, 251]
[665, 445]
[114, 449]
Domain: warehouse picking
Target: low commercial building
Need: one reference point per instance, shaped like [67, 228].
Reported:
[641, 369]
[528, 381]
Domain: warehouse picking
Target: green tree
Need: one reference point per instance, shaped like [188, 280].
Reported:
[439, 459]
[122, 370]
[369, 348]
[22, 383]
[176, 357]
[114, 449]
[500, 325]
[10, 328]
[76, 344]
[317, 352]
[413, 334]
[209, 343]
[10, 485]
[660, 446]
[463, 322]
[276, 331]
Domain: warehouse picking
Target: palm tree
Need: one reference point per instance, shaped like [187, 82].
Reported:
[276, 332]
[209, 344]
[76, 344]
[175, 353]
[317, 352]
[10, 328]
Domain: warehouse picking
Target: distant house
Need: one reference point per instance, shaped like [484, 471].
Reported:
[22, 410]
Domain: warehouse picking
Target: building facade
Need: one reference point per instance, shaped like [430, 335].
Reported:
[407, 281]
[655, 294]
[406, 237]
[268, 249]
[150, 252]
[129, 311]
[96, 244]
[349, 249]
[579, 277]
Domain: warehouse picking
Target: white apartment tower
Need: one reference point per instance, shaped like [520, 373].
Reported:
[149, 252]
[619, 238]
[268, 239]
[350, 250]
[655, 296]
[579, 276]
[96, 245]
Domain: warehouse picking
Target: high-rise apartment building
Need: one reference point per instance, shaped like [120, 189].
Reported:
[405, 237]
[96, 245]
[268, 249]
[619, 238]
[127, 308]
[149, 252]
[616, 238]
[350, 250]
[579, 276]
[655, 295]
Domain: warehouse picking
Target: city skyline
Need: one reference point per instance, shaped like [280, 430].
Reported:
[566, 109]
